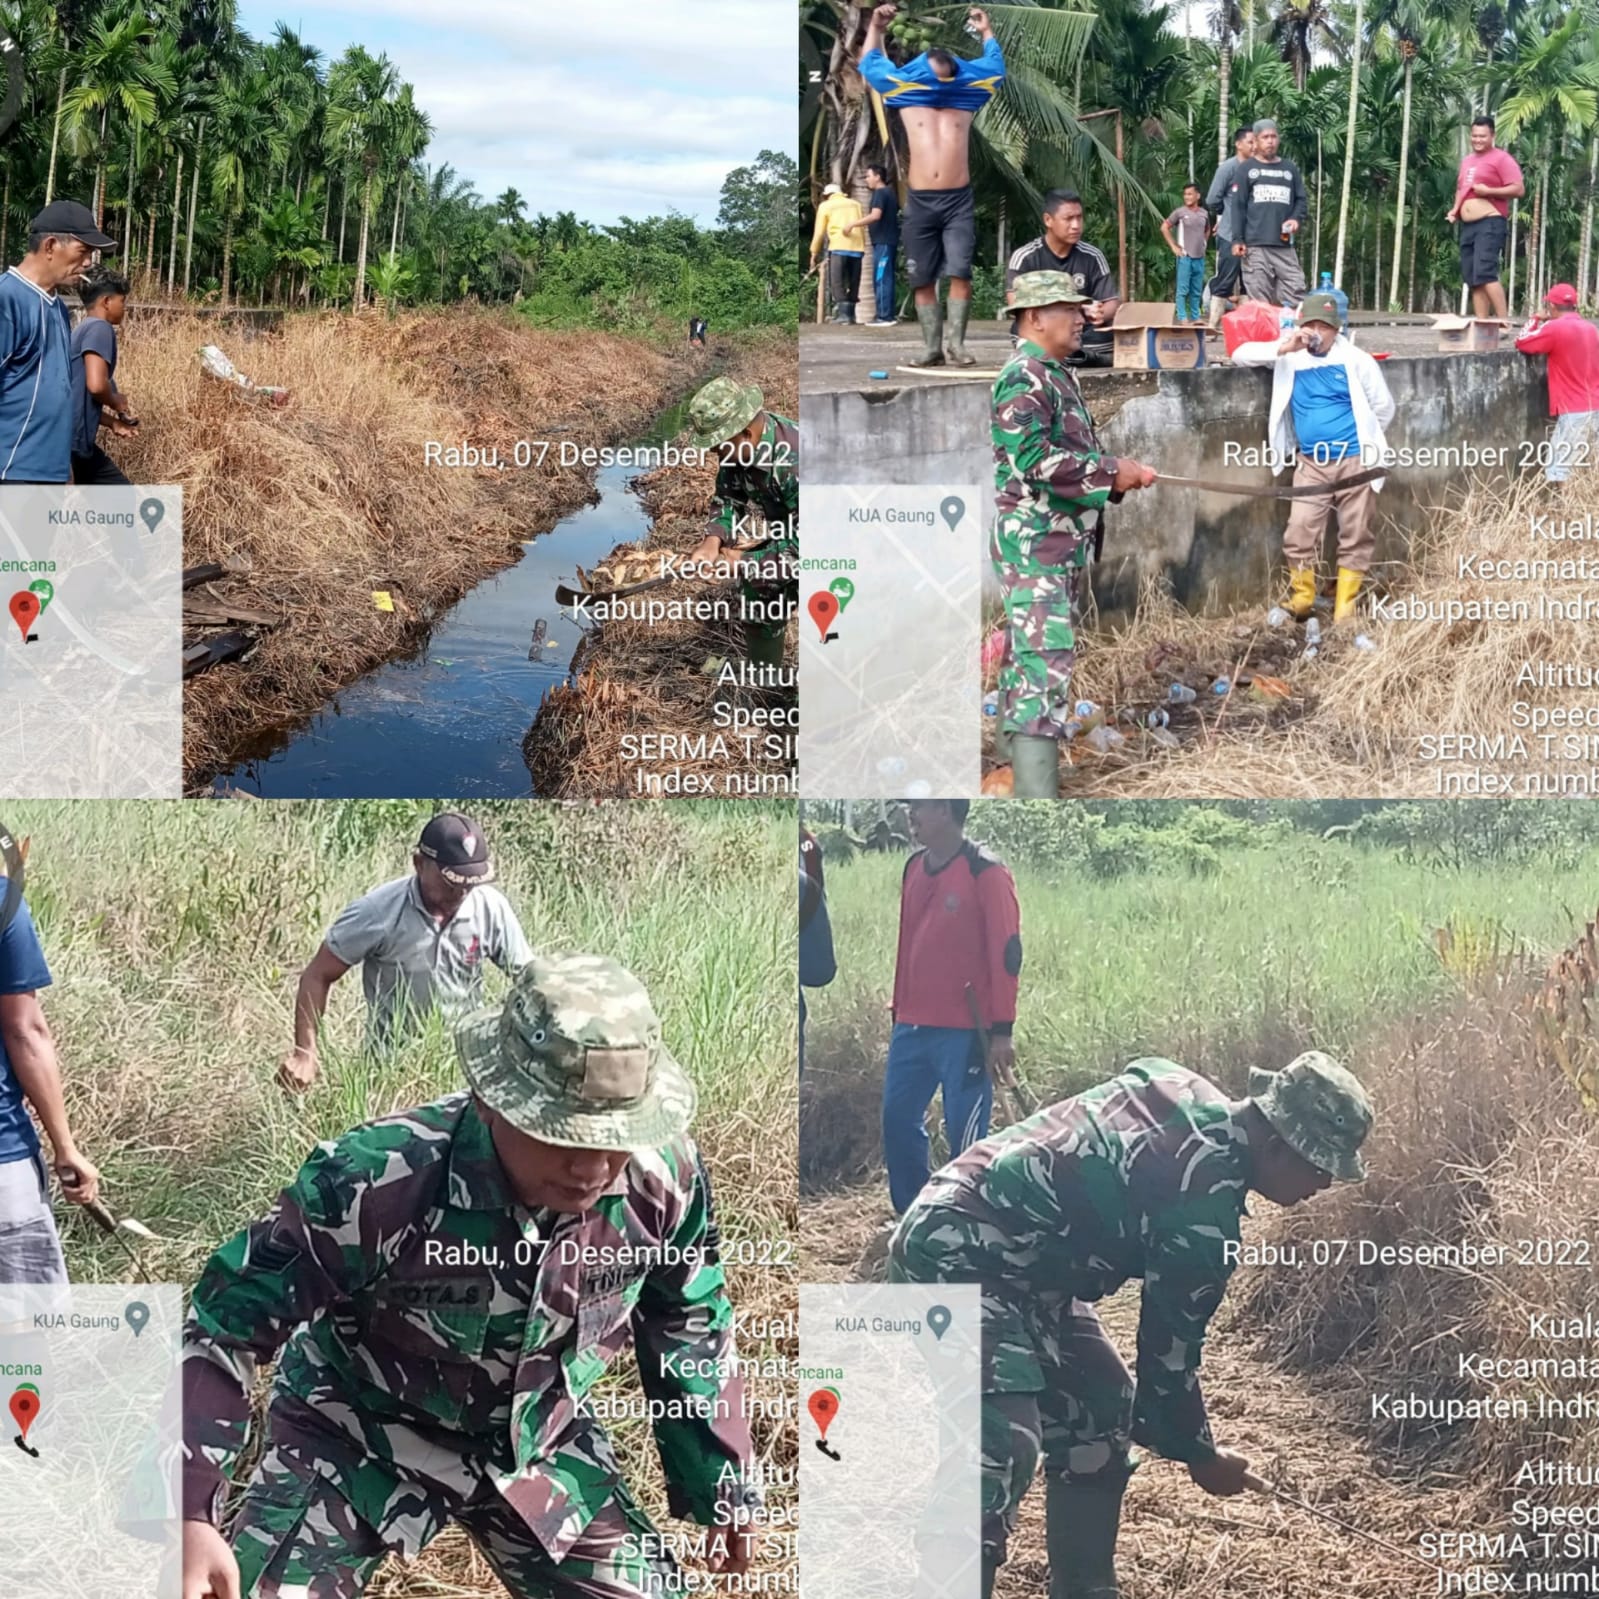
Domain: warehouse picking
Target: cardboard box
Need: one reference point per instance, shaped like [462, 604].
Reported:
[1468, 335]
[1146, 336]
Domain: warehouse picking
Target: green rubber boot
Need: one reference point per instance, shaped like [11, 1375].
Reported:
[1035, 765]
[1081, 1520]
[960, 313]
[931, 318]
[762, 647]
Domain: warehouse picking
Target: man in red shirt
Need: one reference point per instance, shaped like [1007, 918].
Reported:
[1572, 344]
[959, 932]
[1489, 180]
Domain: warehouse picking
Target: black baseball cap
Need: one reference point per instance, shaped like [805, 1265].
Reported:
[455, 844]
[69, 219]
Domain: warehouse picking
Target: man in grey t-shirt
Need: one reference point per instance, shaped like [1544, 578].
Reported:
[420, 942]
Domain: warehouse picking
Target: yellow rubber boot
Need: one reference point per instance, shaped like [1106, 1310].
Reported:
[1301, 592]
[1348, 588]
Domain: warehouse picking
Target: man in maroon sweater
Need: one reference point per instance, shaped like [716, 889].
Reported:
[959, 934]
[1572, 344]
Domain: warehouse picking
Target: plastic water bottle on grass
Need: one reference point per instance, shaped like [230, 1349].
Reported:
[1181, 694]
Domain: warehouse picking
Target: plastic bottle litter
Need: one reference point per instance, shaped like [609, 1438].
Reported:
[1222, 685]
[1181, 694]
[991, 705]
[1313, 631]
[1162, 739]
[1364, 643]
[891, 766]
[1276, 616]
[1158, 718]
[1084, 709]
[1310, 654]
[1102, 740]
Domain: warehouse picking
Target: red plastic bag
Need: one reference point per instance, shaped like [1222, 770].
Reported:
[1249, 322]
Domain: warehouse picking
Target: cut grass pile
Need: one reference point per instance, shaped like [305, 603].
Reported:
[331, 497]
[176, 934]
[636, 678]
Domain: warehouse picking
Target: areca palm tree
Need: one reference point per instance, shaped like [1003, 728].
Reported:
[114, 70]
[1551, 86]
[409, 136]
[70, 16]
[246, 139]
[1356, 50]
[361, 126]
[1297, 29]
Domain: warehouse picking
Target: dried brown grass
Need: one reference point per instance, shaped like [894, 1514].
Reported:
[1479, 1142]
[1354, 719]
[330, 498]
[1479, 1139]
[634, 678]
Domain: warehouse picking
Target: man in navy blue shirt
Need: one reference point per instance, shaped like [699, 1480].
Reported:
[30, 1249]
[36, 411]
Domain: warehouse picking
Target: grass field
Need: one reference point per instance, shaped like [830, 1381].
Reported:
[1299, 942]
[176, 934]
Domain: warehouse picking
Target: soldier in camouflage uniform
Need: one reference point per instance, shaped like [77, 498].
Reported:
[757, 484]
[1144, 1176]
[442, 1290]
[1051, 483]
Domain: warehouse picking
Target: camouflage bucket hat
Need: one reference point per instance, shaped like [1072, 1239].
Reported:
[1045, 288]
[1319, 1110]
[575, 1057]
[721, 409]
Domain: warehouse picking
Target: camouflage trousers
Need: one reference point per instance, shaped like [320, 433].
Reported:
[1054, 1386]
[774, 579]
[297, 1536]
[1040, 576]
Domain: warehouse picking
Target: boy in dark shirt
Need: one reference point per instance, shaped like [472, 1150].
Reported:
[94, 386]
[882, 219]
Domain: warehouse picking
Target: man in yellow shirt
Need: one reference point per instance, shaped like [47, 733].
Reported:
[835, 218]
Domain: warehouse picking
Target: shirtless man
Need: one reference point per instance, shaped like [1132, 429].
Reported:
[937, 95]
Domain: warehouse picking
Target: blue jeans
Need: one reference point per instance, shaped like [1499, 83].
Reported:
[883, 280]
[921, 1061]
[1190, 286]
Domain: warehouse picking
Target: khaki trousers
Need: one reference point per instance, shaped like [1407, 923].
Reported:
[1356, 510]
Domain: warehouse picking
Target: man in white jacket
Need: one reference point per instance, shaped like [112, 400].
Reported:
[1329, 406]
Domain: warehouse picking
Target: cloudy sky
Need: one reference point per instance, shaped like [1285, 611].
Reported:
[603, 107]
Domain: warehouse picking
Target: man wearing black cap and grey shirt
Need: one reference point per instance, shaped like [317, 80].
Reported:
[1265, 208]
[36, 396]
[420, 942]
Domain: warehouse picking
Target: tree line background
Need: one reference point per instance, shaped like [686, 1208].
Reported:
[1373, 99]
[235, 169]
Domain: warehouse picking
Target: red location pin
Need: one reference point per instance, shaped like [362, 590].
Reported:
[823, 606]
[25, 1409]
[25, 610]
[823, 1406]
